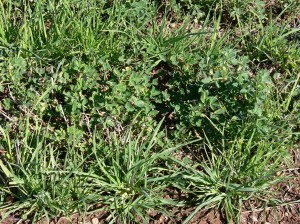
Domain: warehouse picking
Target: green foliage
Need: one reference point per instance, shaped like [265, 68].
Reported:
[233, 175]
[85, 84]
[127, 176]
[38, 177]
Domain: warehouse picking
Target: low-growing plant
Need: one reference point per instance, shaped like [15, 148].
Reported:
[227, 177]
[84, 85]
[128, 175]
[37, 178]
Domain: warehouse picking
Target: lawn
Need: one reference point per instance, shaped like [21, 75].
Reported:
[142, 109]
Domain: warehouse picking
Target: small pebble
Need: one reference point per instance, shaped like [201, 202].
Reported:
[254, 218]
[172, 25]
[95, 221]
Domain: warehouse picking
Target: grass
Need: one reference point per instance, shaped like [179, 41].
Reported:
[113, 106]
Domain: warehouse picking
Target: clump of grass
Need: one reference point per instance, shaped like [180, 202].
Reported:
[227, 177]
[125, 175]
[39, 182]
[128, 176]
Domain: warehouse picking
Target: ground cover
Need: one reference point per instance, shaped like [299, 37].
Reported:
[149, 111]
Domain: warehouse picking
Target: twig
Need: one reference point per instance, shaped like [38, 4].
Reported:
[6, 116]
[63, 113]
[270, 208]
[291, 169]
[10, 93]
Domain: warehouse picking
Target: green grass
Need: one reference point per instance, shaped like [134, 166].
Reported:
[116, 105]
